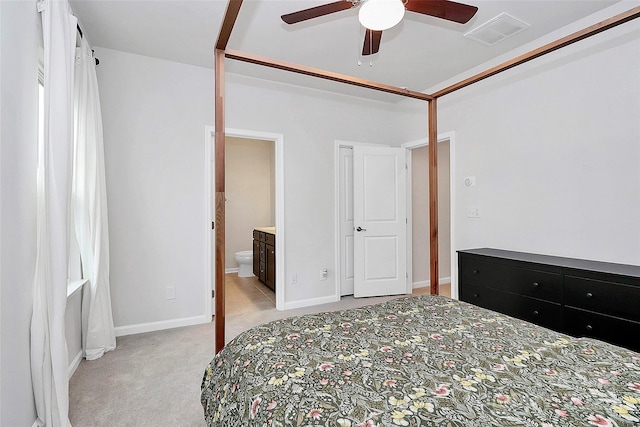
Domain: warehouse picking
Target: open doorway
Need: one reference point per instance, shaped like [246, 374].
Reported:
[250, 205]
[418, 161]
[276, 188]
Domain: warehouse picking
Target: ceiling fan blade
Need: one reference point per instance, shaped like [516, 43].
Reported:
[371, 42]
[444, 9]
[314, 12]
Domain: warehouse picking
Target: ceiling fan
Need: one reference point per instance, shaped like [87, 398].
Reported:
[379, 15]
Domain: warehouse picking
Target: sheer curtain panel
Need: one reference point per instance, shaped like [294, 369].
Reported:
[49, 360]
[90, 208]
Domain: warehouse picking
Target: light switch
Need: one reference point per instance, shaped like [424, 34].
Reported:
[473, 212]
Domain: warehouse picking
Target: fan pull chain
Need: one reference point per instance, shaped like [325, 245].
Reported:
[370, 34]
[370, 48]
[358, 43]
[362, 36]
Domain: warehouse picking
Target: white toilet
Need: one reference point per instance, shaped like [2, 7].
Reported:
[245, 261]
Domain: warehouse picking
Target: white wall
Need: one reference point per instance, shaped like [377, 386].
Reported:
[19, 35]
[554, 147]
[155, 113]
[154, 117]
[311, 121]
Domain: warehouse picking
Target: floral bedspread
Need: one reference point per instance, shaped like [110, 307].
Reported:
[419, 361]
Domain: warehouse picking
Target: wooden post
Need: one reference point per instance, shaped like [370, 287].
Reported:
[433, 197]
[230, 16]
[219, 197]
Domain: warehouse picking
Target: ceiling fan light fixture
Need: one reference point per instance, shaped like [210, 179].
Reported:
[379, 15]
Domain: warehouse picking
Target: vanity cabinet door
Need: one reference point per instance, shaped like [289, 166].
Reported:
[256, 256]
[270, 262]
[264, 258]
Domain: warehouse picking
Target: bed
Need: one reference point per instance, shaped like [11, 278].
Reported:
[419, 361]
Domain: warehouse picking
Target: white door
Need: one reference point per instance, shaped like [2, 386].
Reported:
[346, 220]
[380, 221]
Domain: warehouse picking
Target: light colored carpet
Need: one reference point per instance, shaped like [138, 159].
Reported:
[153, 379]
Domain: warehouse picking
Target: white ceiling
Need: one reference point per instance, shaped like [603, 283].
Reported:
[419, 53]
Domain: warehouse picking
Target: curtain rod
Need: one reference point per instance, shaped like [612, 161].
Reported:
[82, 36]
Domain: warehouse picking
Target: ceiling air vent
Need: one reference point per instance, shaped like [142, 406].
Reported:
[497, 29]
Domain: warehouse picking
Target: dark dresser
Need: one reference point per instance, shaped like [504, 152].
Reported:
[578, 297]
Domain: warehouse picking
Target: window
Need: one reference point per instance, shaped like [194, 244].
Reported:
[75, 266]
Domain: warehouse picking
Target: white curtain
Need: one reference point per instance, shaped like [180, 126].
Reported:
[90, 209]
[49, 360]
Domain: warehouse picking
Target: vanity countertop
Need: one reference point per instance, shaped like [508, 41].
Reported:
[270, 230]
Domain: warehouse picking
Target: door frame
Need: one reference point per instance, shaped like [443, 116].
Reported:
[447, 136]
[210, 248]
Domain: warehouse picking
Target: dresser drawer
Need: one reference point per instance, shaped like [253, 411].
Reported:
[615, 299]
[532, 310]
[524, 281]
[583, 323]
[484, 297]
[543, 313]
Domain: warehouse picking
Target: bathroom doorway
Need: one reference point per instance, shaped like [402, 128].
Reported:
[277, 176]
[250, 204]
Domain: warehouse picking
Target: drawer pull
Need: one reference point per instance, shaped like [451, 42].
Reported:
[476, 271]
[536, 284]
[589, 328]
[589, 295]
[476, 295]
[535, 312]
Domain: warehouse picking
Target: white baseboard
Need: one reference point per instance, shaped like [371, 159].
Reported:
[309, 302]
[75, 363]
[231, 270]
[426, 283]
[161, 325]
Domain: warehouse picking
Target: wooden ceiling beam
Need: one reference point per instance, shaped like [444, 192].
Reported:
[230, 16]
[548, 48]
[327, 75]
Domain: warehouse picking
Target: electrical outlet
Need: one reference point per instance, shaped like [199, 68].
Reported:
[324, 274]
[171, 292]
